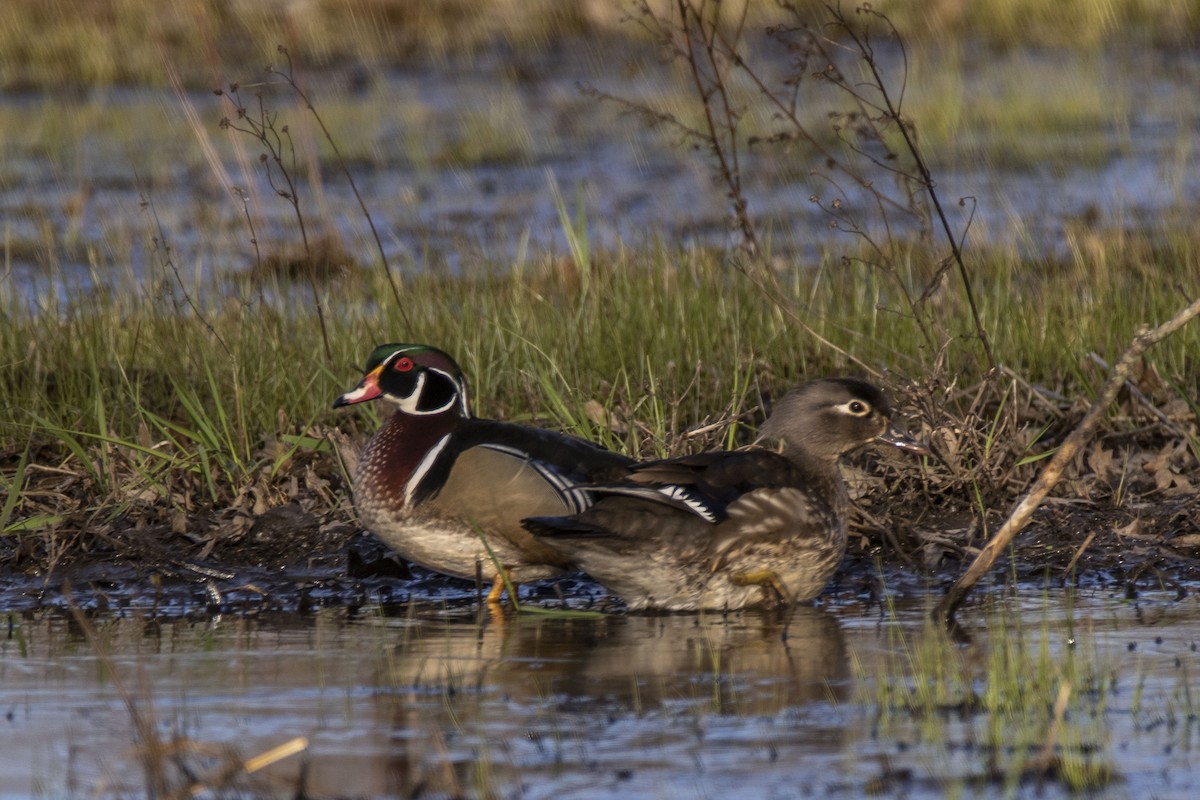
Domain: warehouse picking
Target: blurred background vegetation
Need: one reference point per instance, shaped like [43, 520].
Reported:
[54, 44]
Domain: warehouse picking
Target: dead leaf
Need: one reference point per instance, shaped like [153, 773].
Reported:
[1101, 460]
[1163, 468]
[1181, 485]
[1186, 540]
[1147, 379]
[599, 415]
[314, 482]
[1134, 531]
[260, 501]
[947, 443]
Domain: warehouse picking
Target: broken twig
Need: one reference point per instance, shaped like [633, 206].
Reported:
[1052, 472]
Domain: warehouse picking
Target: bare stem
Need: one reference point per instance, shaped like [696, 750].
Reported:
[277, 143]
[163, 248]
[893, 112]
[1052, 472]
[720, 134]
[387, 269]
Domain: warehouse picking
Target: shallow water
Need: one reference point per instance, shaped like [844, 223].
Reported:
[74, 215]
[440, 701]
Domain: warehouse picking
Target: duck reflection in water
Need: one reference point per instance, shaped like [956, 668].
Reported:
[536, 693]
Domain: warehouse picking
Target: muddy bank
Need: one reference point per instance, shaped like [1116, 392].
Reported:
[290, 560]
[1126, 518]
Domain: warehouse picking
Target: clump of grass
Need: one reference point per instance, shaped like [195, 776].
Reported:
[1021, 23]
[1012, 118]
[326, 260]
[1030, 706]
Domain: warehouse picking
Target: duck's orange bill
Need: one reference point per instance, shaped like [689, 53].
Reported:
[367, 389]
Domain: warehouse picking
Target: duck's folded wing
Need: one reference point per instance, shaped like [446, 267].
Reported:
[561, 464]
[707, 483]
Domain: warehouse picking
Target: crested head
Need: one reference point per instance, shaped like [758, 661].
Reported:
[827, 417]
[416, 378]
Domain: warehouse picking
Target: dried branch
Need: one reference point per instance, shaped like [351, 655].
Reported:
[720, 116]
[277, 142]
[926, 178]
[288, 77]
[1052, 472]
[162, 248]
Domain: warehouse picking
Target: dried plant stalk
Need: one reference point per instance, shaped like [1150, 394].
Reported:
[1017, 519]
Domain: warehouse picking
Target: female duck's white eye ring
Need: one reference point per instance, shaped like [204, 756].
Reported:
[855, 408]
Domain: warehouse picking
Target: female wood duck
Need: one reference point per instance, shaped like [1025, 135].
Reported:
[434, 481]
[731, 530]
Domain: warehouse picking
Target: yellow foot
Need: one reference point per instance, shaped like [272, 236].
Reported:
[497, 591]
[768, 580]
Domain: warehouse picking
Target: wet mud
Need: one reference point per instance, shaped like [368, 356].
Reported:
[289, 561]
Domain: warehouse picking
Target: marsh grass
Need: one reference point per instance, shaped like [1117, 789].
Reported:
[1014, 118]
[129, 400]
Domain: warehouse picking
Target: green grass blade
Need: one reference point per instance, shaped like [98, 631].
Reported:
[15, 488]
[38, 523]
[72, 444]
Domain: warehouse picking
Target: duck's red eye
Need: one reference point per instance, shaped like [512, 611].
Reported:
[403, 364]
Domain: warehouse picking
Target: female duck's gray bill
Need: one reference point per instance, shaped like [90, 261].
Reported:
[898, 438]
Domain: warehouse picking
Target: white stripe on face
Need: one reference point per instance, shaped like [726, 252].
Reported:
[411, 403]
[408, 404]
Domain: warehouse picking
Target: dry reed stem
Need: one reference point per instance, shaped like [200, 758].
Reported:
[1046, 759]
[1017, 519]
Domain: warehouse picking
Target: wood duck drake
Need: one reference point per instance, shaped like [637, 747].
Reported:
[733, 529]
[433, 478]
